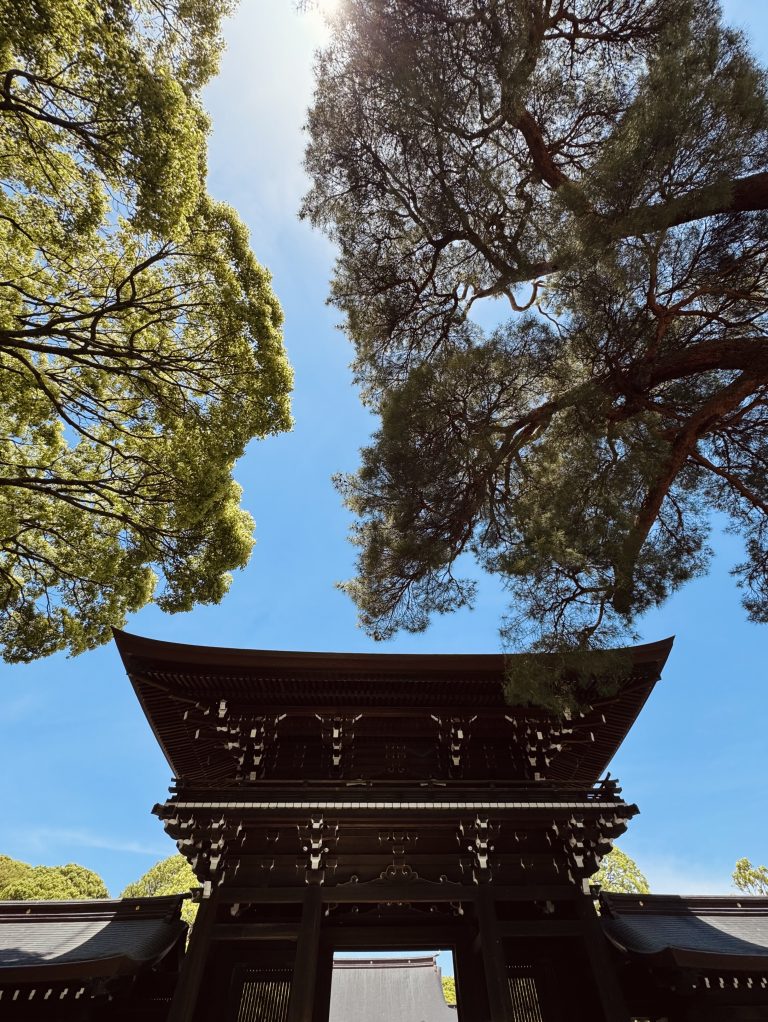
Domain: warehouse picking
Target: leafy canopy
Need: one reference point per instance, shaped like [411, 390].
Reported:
[449, 989]
[751, 879]
[599, 171]
[620, 874]
[140, 341]
[173, 875]
[21, 882]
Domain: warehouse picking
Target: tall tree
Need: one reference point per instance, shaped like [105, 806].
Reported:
[173, 875]
[750, 879]
[600, 171]
[22, 882]
[140, 341]
[621, 874]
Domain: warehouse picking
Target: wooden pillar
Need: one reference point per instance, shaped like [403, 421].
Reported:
[323, 981]
[494, 959]
[193, 967]
[301, 1004]
[471, 993]
[603, 968]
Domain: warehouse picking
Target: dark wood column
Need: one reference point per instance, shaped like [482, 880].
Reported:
[193, 967]
[471, 993]
[323, 981]
[603, 968]
[301, 1004]
[494, 959]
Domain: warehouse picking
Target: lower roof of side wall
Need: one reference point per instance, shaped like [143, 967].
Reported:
[66, 940]
[710, 933]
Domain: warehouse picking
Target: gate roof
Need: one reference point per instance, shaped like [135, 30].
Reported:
[170, 678]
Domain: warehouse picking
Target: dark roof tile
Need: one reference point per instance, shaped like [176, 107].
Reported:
[700, 932]
[381, 990]
[99, 938]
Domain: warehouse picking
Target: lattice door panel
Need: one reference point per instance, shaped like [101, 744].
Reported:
[524, 992]
[264, 994]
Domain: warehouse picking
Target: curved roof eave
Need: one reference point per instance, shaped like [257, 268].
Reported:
[162, 652]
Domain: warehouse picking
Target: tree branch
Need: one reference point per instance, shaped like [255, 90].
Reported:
[724, 401]
[732, 480]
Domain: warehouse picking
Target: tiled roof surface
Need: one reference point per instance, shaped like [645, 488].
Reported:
[115, 936]
[381, 989]
[683, 927]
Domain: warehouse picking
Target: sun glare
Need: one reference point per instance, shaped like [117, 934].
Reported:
[327, 6]
[320, 13]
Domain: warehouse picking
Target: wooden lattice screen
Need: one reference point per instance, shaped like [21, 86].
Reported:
[523, 989]
[264, 994]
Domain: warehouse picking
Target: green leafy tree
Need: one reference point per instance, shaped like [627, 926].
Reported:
[751, 879]
[598, 170]
[449, 989]
[173, 875]
[621, 874]
[22, 882]
[140, 341]
[11, 870]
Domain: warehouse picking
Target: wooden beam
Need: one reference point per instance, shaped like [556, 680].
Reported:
[540, 928]
[255, 931]
[369, 937]
[410, 934]
[413, 891]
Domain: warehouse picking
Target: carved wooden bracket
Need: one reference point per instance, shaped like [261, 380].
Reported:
[338, 735]
[317, 839]
[477, 838]
[453, 736]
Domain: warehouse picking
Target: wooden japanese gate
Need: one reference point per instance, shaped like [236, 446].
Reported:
[358, 802]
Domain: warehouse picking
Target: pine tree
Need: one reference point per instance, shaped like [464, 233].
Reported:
[600, 172]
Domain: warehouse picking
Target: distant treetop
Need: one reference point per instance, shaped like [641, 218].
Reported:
[21, 882]
[750, 879]
[620, 874]
[173, 875]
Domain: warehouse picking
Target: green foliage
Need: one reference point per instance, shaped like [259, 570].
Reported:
[140, 341]
[601, 171]
[11, 870]
[751, 879]
[621, 874]
[449, 989]
[21, 882]
[173, 875]
[566, 682]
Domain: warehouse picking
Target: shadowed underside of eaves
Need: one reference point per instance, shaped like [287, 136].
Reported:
[172, 680]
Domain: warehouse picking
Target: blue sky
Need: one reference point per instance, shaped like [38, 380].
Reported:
[79, 768]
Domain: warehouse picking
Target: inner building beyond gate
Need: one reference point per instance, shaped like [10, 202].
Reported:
[381, 985]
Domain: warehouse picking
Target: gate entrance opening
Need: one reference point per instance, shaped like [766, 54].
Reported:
[379, 986]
